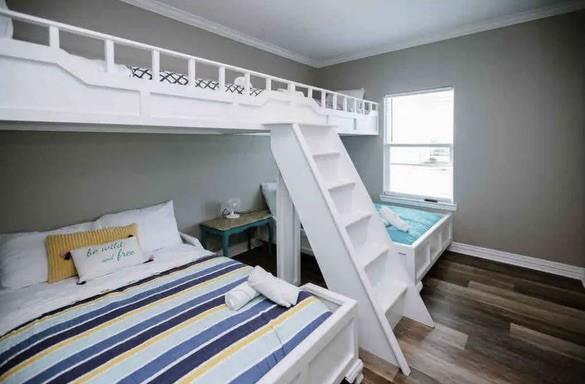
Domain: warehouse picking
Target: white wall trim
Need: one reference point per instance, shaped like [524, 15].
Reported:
[529, 262]
[218, 29]
[499, 22]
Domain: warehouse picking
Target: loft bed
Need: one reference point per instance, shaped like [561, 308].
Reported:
[46, 84]
[59, 91]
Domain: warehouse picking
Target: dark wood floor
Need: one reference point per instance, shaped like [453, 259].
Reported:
[494, 323]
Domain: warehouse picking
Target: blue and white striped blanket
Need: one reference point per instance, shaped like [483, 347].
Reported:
[174, 327]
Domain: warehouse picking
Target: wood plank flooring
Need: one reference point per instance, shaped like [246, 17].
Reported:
[495, 323]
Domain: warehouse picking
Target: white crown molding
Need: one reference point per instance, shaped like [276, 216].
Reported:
[210, 26]
[218, 29]
[500, 22]
[529, 262]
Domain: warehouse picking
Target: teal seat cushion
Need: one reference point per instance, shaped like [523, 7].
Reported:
[420, 221]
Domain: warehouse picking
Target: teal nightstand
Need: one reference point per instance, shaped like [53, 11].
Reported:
[224, 228]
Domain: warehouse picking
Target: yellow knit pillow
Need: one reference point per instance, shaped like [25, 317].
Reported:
[58, 247]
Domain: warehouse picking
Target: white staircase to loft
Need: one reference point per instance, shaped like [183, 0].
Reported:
[348, 238]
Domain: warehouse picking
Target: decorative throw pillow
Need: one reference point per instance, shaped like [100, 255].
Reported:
[59, 246]
[99, 260]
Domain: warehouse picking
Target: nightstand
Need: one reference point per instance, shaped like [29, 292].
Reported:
[224, 228]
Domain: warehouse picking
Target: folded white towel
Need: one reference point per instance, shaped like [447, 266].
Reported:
[277, 290]
[393, 219]
[240, 295]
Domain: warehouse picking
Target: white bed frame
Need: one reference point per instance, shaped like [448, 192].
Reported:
[421, 255]
[46, 84]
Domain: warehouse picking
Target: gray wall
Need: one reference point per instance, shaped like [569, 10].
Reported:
[54, 179]
[519, 130]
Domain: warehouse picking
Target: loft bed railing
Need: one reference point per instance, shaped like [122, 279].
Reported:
[360, 106]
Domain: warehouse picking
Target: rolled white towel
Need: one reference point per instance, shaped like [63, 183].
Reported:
[277, 290]
[393, 219]
[240, 295]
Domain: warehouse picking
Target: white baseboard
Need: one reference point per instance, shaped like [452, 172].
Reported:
[528, 262]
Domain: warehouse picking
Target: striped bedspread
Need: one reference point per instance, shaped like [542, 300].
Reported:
[174, 327]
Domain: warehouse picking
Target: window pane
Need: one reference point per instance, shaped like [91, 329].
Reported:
[425, 156]
[421, 171]
[421, 118]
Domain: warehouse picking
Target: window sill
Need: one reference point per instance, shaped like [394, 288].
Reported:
[444, 206]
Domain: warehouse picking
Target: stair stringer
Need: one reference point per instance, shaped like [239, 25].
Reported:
[330, 241]
[414, 307]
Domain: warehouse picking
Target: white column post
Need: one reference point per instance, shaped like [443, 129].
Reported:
[156, 66]
[192, 75]
[54, 37]
[247, 84]
[109, 55]
[288, 237]
[221, 78]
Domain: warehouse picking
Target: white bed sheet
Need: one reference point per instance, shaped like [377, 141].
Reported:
[18, 306]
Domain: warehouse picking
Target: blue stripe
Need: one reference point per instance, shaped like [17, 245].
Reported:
[255, 373]
[90, 315]
[112, 353]
[47, 343]
[194, 360]
[167, 358]
[199, 356]
[130, 332]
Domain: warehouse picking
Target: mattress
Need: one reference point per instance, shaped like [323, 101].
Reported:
[181, 79]
[420, 221]
[171, 327]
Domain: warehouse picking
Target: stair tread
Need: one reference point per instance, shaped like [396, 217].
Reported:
[339, 183]
[326, 153]
[388, 294]
[371, 252]
[355, 216]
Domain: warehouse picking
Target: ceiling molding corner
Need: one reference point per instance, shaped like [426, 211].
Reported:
[500, 22]
[218, 29]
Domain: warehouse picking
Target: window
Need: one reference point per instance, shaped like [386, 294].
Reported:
[418, 146]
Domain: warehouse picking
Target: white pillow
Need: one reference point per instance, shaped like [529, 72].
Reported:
[157, 226]
[23, 256]
[6, 27]
[269, 192]
[103, 259]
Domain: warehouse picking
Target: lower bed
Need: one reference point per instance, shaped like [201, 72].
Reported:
[429, 236]
[172, 327]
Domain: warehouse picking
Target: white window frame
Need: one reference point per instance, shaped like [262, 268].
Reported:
[407, 199]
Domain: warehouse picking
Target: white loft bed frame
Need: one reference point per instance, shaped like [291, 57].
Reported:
[46, 84]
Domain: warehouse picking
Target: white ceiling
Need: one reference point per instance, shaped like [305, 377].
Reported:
[325, 32]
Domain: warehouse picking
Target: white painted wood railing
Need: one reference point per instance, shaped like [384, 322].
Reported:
[360, 106]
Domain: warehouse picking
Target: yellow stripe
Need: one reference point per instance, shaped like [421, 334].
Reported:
[106, 296]
[128, 354]
[209, 364]
[61, 344]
